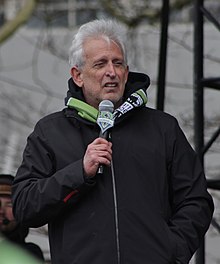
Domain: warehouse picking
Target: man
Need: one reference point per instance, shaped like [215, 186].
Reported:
[9, 228]
[150, 204]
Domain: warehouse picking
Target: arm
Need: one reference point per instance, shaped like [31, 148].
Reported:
[192, 205]
[41, 191]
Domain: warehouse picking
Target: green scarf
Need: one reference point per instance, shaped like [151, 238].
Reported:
[85, 110]
[88, 112]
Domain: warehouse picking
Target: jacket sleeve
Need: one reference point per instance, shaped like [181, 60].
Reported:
[40, 192]
[192, 205]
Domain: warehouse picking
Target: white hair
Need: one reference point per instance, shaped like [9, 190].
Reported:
[110, 30]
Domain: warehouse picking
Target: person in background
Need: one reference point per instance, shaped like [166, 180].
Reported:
[150, 202]
[9, 228]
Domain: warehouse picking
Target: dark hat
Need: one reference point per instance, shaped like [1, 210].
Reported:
[6, 181]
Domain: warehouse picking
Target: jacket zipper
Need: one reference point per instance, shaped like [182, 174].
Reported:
[116, 211]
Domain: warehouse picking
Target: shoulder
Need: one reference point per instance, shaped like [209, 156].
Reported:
[161, 123]
[52, 117]
[49, 123]
[51, 120]
[158, 116]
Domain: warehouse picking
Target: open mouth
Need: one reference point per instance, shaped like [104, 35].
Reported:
[111, 85]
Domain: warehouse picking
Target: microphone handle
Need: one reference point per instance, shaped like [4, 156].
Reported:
[100, 169]
[105, 136]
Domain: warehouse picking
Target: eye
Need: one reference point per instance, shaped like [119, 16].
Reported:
[118, 63]
[99, 64]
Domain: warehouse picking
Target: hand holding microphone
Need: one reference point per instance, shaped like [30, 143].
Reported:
[100, 151]
[105, 121]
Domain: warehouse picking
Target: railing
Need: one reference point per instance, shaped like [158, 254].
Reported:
[200, 83]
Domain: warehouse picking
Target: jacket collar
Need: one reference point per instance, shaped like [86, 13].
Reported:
[134, 96]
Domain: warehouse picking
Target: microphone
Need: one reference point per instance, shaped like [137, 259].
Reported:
[105, 121]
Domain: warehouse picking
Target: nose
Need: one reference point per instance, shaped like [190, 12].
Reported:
[110, 71]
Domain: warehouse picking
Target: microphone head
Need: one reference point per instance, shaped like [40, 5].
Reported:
[105, 118]
[106, 106]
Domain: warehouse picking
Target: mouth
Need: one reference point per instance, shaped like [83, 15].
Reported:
[111, 85]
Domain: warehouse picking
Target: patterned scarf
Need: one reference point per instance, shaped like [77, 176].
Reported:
[88, 112]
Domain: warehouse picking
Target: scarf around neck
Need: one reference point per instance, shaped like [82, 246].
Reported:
[88, 112]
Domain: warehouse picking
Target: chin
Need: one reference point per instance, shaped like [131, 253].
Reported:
[114, 99]
[117, 102]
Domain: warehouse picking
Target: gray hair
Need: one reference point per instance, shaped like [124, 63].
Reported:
[107, 29]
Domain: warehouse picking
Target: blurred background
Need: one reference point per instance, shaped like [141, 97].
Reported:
[162, 41]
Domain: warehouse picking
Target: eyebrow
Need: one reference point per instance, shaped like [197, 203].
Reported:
[106, 59]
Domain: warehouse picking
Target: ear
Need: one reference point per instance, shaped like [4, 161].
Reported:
[77, 76]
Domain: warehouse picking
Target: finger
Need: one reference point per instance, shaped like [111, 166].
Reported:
[107, 146]
[98, 152]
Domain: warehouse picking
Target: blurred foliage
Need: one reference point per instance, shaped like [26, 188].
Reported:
[132, 13]
[21, 17]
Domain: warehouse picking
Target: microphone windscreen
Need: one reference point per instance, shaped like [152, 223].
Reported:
[106, 106]
[105, 118]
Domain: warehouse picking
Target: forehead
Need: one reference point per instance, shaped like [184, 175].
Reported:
[98, 47]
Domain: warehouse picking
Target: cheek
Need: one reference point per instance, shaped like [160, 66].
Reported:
[92, 80]
[9, 213]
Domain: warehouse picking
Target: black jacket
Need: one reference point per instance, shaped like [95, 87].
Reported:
[163, 207]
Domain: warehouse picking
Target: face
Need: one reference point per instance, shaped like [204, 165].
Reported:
[7, 221]
[104, 73]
